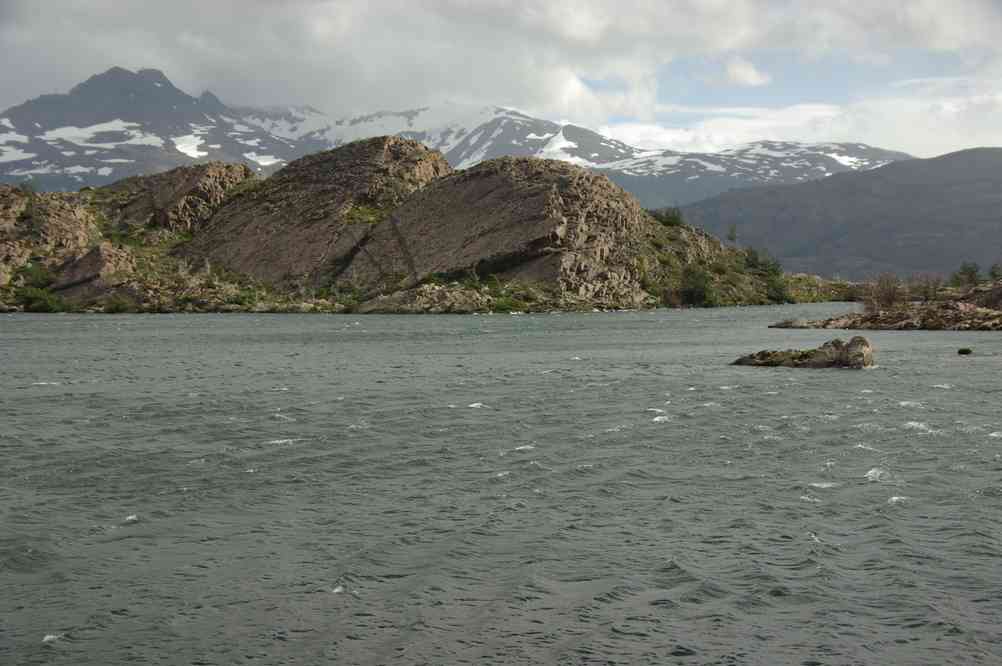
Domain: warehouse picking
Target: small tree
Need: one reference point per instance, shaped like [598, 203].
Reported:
[668, 217]
[732, 233]
[697, 288]
[995, 272]
[886, 292]
[968, 275]
[926, 287]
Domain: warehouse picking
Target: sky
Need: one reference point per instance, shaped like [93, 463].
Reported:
[922, 76]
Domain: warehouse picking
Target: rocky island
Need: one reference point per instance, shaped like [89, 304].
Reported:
[976, 309]
[856, 354]
[378, 225]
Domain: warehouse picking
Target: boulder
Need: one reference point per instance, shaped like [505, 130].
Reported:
[857, 353]
[94, 274]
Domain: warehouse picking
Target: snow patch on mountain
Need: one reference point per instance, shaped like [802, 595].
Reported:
[87, 136]
[189, 144]
[14, 154]
[263, 160]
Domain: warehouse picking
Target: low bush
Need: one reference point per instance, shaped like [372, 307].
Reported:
[35, 299]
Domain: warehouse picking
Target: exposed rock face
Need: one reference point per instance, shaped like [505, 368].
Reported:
[181, 199]
[857, 353]
[96, 273]
[50, 226]
[936, 316]
[289, 228]
[517, 218]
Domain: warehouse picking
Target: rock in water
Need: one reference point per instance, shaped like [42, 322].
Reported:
[858, 353]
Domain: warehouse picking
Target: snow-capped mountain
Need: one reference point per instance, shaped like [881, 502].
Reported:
[122, 123]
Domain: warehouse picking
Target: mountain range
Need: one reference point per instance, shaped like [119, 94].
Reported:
[122, 123]
[910, 217]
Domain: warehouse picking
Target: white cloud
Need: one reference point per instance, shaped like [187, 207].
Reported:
[923, 122]
[744, 73]
[348, 56]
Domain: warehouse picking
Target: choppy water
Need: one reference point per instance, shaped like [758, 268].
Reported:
[558, 489]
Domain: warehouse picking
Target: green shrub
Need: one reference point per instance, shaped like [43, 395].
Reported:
[36, 275]
[668, 217]
[35, 299]
[697, 288]
[760, 261]
[118, 304]
[968, 275]
[777, 290]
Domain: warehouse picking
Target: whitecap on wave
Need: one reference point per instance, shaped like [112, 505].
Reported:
[896, 499]
[921, 428]
[911, 403]
[877, 474]
[824, 485]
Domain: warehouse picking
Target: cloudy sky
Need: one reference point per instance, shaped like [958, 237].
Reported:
[924, 76]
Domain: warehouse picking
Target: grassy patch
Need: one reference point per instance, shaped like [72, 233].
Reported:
[359, 214]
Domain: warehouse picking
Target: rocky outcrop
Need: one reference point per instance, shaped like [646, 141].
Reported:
[515, 218]
[95, 274]
[380, 225]
[48, 226]
[288, 229]
[857, 354]
[179, 200]
[934, 316]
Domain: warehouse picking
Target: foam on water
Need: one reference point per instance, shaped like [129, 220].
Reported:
[921, 428]
[877, 474]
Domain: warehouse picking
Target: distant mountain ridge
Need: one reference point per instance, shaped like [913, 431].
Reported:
[909, 217]
[121, 123]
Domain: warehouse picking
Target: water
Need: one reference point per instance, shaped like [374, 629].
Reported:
[594, 488]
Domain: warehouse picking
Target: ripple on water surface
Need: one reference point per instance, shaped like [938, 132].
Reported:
[590, 488]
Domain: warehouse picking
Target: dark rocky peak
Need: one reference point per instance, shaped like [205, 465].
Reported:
[211, 104]
[121, 82]
[146, 97]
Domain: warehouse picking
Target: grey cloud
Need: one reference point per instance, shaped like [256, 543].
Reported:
[356, 55]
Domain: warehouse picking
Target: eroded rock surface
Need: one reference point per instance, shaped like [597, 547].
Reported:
[48, 226]
[288, 228]
[180, 200]
[856, 354]
[516, 218]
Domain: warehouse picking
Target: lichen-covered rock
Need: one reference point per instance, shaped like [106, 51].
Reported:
[287, 229]
[180, 200]
[857, 354]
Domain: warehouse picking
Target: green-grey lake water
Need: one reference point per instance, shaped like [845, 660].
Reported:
[547, 489]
